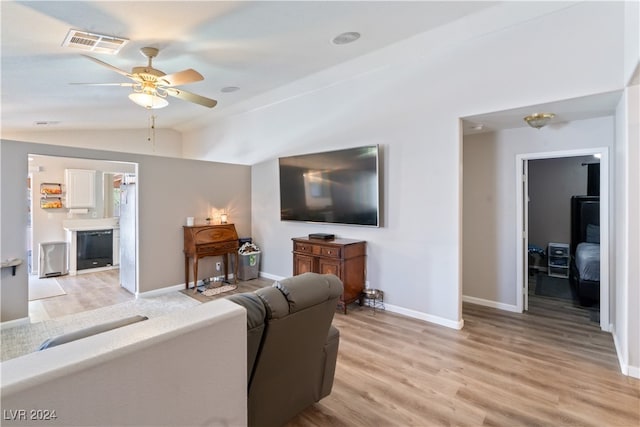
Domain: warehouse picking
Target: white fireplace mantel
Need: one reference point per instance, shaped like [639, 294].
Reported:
[71, 228]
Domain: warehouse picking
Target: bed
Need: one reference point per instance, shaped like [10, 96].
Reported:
[585, 248]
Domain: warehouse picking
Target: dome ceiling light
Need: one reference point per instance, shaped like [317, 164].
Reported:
[539, 120]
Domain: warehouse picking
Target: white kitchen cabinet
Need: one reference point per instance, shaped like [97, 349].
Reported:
[81, 188]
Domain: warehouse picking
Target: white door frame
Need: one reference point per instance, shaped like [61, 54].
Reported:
[34, 199]
[522, 283]
[524, 242]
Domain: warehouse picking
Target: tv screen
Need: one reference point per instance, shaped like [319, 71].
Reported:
[335, 187]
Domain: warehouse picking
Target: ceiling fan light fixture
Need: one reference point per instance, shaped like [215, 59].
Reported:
[148, 101]
[150, 86]
[539, 120]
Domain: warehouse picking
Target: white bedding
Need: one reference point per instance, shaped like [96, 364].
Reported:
[588, 261]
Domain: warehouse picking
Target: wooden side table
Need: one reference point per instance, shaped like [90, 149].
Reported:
[344, 258]
[209, 240]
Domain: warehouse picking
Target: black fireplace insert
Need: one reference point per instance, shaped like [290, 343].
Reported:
[95, 249]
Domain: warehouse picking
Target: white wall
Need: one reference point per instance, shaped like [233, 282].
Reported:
[166, 143]
[626, 316]
[634, 231]
[631, 39]
[408, 98]
[169, 190]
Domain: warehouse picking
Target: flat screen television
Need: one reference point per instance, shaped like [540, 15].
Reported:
[333, 187]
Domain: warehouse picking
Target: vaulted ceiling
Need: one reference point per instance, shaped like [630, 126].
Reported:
[242, 49]
[254, 46]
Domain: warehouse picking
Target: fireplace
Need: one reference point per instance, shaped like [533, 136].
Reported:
[94, 249]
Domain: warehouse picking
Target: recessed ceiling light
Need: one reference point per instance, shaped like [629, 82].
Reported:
[229, 89]
[346, 38]
[46, 122]
[479, 126]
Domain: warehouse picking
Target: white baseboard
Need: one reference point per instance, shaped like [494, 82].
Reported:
[623, 363]
[13, 323]
[270, 276]
[633, 371]
[625, 369]
[161, 291]
[400, 310]
[492, 304]
[424, 316]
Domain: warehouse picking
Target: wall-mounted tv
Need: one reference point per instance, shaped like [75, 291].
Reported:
[334, 187]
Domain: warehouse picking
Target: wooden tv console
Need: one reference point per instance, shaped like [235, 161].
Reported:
[345, 258]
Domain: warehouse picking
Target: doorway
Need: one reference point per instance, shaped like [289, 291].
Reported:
[523, 216]
[49, 223]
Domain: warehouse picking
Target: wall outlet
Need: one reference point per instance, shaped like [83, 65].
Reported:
[218, 266]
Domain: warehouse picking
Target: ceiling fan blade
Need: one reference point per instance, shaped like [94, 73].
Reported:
[105, 84]
[180, 78]
[109, 66]
[191, 97]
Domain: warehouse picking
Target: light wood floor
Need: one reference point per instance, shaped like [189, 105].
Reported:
[84, 292]
[551, 366]
[548, 367]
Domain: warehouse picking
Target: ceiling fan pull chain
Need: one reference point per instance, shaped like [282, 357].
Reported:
[152, 131]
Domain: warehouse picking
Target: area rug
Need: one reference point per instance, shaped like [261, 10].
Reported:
[26, 338]
[241, 286]
[44, 288]
[210, 292]
[206, 294]
[555, 287]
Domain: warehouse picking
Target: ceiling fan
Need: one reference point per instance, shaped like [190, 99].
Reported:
[151, 86]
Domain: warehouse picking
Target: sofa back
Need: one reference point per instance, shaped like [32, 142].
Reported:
[141, 374]
[289, 368]
[256, 317]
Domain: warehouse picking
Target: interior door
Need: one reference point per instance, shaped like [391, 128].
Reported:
[525, 234]
[128, 214]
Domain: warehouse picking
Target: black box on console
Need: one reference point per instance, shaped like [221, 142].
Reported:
[322, 236]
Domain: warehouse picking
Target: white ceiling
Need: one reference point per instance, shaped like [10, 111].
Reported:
[256, 46]
[568, 110]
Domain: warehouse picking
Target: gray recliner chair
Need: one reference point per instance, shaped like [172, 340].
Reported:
[291, 345]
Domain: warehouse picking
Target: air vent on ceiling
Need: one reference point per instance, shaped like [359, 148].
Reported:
[92, 42]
